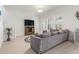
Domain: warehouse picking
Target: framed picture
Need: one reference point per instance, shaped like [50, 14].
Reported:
[0, 12]
[77, 14]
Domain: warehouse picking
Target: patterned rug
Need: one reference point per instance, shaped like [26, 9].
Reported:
[27, 39]
[29, 51]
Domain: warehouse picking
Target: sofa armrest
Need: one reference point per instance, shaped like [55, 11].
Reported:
[35, 44]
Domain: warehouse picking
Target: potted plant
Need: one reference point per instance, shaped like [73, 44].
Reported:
[8, 33]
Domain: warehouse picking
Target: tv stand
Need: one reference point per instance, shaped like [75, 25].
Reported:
[29, 30]
[29, 27]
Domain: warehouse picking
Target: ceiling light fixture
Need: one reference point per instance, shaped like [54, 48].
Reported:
[40, 10]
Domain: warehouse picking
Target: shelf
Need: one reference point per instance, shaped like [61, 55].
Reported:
[28, 26]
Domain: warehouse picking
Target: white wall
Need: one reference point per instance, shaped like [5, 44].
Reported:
[1, 25]
[68, 16]
[15, 19]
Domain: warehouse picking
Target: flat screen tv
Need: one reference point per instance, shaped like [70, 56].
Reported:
[29, 22]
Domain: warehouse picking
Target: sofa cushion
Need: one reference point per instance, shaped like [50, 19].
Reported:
[54, 33]
[44, 35]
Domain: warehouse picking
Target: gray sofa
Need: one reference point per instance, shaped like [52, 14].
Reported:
[42, 44]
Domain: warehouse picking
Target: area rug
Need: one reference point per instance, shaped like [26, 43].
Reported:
[27, 40]
[29, 51]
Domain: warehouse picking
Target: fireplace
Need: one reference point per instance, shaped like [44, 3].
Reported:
[29, 27]
[29, 30]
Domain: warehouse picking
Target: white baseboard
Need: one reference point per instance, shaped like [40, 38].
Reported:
[14, 37]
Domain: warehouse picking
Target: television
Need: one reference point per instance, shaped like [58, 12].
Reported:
[29, 22]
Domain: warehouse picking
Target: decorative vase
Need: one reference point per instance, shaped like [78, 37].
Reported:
[8, 33]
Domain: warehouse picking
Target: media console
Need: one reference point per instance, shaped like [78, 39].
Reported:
[29, 27]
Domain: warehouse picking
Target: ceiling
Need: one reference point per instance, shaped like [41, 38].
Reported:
[31, 9]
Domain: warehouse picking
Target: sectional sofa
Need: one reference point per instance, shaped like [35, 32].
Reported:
[46, 41]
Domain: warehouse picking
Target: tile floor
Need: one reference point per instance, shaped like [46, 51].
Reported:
[16, 46]
[64, 48]
[19, 46]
